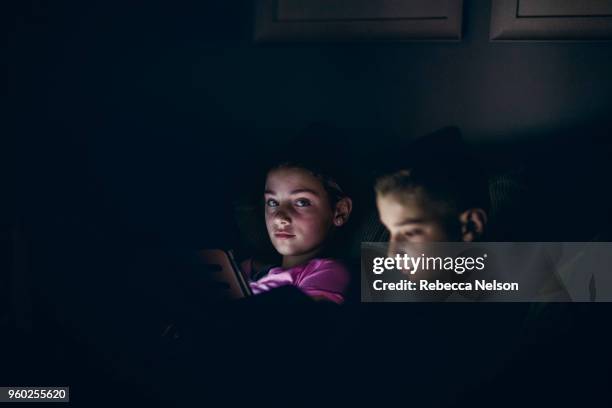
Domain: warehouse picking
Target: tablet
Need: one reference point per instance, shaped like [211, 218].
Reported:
[223, 271]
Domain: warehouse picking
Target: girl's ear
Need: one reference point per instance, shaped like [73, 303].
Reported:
[342, 211]
[473, 224]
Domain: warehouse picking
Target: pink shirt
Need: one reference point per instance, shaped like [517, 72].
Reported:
[319, 277]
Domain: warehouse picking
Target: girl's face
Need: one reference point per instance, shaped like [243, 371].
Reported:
[298, 212]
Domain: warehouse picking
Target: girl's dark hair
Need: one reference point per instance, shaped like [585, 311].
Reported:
[319, 149]
[335, 193]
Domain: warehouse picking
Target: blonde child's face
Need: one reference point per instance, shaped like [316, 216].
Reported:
[298, 212]
[407, 220]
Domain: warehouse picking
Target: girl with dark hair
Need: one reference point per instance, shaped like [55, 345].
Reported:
[303, 210]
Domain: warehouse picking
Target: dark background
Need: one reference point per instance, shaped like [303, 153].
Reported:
[132, 126]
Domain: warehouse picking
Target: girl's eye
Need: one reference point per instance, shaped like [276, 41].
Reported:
[271, 203]
[413, 233]
[302, 202]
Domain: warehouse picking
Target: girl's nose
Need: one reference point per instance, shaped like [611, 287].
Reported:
[282, 218]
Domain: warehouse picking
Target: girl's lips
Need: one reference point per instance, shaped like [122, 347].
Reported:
[283, 235]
